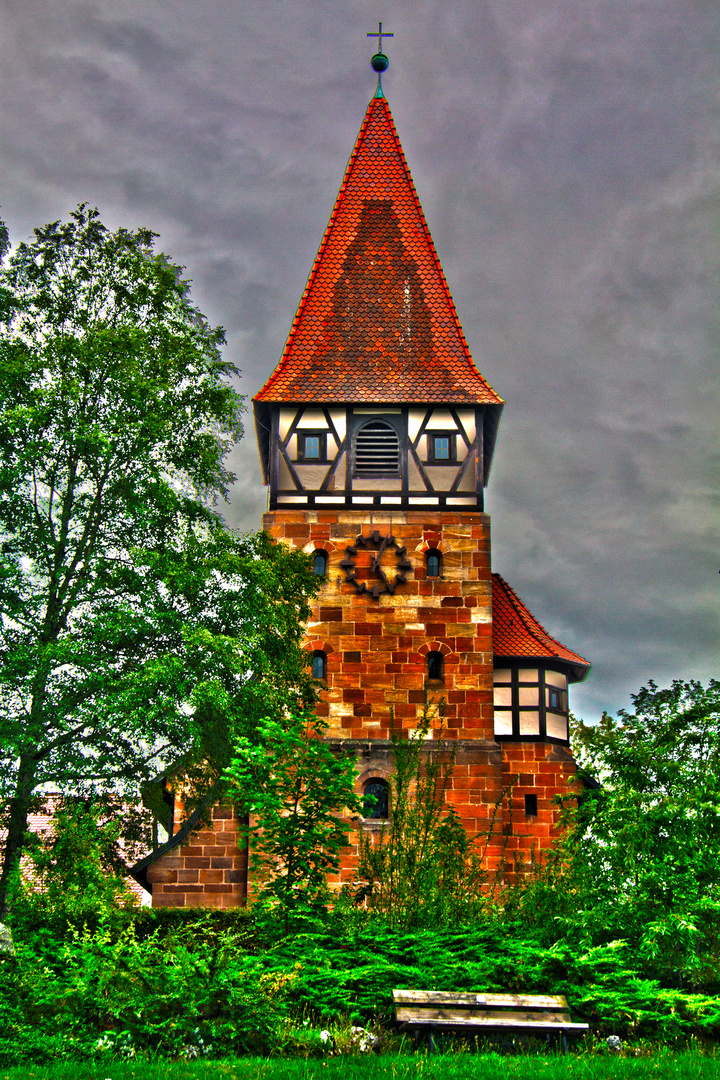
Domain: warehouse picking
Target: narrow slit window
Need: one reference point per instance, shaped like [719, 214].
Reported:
[376, 800]
[319, 665]
[435, 665]
[531, 807]
[433, 564]
[320, 564]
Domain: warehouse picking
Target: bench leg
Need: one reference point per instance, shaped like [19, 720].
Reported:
[420, 1037]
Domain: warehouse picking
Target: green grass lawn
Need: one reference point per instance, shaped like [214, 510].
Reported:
[690, 1065]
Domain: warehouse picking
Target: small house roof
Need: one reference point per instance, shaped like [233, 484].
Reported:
[517, 633]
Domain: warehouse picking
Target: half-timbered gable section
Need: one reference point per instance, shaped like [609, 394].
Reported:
[409, 456]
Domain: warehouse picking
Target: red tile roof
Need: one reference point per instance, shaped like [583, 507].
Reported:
[518, 633]
[376, 322]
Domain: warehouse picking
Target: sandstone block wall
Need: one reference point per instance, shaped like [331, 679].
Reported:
[377, 649]
[376, 653]
[209, 871]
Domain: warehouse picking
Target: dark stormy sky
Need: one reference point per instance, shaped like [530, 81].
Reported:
[566, 155]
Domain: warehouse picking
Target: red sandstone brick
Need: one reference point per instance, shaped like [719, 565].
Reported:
[171, 862]
[210, 875]
[161, 875]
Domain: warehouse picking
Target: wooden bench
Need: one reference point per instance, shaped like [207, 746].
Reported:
[430, 1012]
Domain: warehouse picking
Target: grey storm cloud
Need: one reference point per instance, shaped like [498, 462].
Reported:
[566, 155]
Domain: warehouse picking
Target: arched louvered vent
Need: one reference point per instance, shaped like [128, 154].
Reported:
[377, 450]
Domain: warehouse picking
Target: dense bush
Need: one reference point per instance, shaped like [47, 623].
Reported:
[623, 919]
[192, 983]
[184, 989]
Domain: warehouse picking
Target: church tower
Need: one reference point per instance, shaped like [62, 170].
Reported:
[376, 433]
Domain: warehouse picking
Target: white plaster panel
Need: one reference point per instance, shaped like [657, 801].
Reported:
[556, 726]
[422, 448]
[313, 418]
[340, 472]
[311, 476]
[339, 420]
[285, 480]
[556, 678]
[286, 418]
[529, 723]
[332, 446]
[503, 723]
[414, 479]
[468, 481]
[441, 420]
[441, 476]
[467, 419]
[378, 483]
[292, 447]
[415, 419]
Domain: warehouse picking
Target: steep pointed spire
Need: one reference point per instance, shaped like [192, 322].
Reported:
[376, 322]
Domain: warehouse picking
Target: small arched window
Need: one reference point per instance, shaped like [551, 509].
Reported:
[376, 800]
[433, 563]
[319, 665]
[435, 665]
[320, 563]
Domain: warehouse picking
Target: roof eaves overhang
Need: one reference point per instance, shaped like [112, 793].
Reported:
[576, 672]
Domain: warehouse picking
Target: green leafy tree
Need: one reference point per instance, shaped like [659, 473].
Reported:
[297, 792]
[641, 856]
[77, 868]
[137, 633]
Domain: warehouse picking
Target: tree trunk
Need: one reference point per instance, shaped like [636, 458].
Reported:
[17, 827]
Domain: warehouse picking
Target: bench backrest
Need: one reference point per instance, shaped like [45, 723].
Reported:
[414, 1005]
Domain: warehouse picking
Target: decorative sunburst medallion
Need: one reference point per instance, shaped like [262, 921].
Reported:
[381, 582]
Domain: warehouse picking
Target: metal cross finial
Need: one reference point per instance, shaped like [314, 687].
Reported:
[380, 35]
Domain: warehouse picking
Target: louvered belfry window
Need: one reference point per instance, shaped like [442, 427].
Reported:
[377, 450]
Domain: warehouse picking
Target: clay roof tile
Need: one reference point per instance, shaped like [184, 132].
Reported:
[377, 296]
